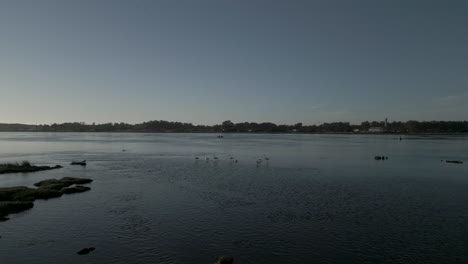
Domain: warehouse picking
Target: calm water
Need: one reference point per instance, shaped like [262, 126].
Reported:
[320, 199]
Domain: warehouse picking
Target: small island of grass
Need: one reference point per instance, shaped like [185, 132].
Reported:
[21, 198]
[23, 167]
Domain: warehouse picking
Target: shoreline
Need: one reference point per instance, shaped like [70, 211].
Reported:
[243, 133]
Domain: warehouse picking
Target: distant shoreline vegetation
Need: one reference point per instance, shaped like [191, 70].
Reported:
[374, 127]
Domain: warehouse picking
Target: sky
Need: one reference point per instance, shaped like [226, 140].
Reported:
[207, 61]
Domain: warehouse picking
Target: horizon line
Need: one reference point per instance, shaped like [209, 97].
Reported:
[263, 122]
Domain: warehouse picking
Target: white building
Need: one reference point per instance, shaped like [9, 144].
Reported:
[376, 129]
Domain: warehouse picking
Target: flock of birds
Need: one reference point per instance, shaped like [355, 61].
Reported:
[258, 161]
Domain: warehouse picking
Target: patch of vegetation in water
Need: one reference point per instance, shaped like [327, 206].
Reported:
[23, 167]
[21, 198]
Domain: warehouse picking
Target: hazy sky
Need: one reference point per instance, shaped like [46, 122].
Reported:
[207, 61]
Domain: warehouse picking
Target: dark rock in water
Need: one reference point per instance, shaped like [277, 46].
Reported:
[81, 163]
[20, 198]
[12, 207]
[454, 161]
[381, 158]
[64, 182]
[76, 189]
[42, 194]
[25, 194]
[224, 260]
[85, 251]
[24, 167]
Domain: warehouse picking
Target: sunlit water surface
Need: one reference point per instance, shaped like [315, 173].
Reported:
[319, 199]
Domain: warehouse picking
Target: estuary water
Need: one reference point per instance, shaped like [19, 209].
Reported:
[318, 199]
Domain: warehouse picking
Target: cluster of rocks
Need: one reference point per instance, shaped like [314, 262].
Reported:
[24, 167]
[21, 198]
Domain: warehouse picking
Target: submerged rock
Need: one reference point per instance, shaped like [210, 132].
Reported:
[20, 198]
[80, 163]
[13, 207]
[25, 166]
[224, 260]
[85, 251]
[76, 189]
[22, 193]
[381, 158]
[64, 182]
[454, 161]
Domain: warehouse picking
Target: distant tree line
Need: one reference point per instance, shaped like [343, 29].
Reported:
[249, 127]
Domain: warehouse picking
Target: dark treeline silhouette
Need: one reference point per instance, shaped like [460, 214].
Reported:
[248, 127]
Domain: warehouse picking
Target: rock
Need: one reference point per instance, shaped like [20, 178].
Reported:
[44, 194]
[12, 207]
[24, 167]
[224, 260]
[454, 161]
[85, 251]
[381, 158]
[80, 163]
[64, 182]
[76, 189]
[20, 198]
[22, 193]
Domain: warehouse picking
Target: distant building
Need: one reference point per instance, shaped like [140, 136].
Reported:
[376, 130]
